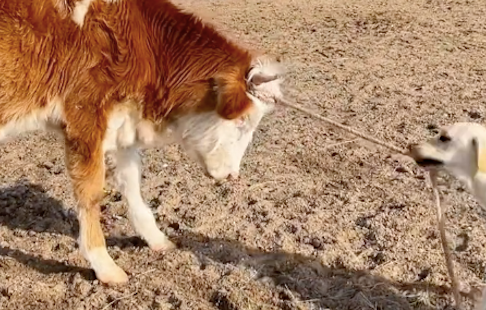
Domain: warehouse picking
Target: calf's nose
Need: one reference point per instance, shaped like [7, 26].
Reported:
[233, 176]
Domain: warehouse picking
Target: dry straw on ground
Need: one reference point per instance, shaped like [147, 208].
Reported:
[314, 220]
[433, 180]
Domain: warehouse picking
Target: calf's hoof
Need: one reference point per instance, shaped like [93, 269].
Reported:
[112, 276]
[162, 245]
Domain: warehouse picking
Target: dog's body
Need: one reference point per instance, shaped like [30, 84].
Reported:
[459, 150]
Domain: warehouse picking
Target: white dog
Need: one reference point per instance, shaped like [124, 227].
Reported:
[459, 150]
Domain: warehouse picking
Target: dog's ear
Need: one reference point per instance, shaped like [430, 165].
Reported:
[479, 156]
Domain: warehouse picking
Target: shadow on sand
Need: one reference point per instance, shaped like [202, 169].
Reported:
[28, 207]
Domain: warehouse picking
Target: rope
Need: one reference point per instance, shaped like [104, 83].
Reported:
[481, 305]
[433, 180]
[341, 126]
[443, 239]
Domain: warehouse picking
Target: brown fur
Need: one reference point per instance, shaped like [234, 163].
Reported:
[145, 51]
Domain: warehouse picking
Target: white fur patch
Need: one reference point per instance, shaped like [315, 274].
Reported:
[219, 144]
[122, 127]
[270, 90]
[141, 217]
[106, 269]
[80, 10]
[115, 122]
[47, 118]
[127, 129]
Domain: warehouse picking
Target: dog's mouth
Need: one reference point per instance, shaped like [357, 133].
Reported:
[428, 162]
[421, 156]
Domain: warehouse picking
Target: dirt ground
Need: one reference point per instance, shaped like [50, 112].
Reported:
[319, 219]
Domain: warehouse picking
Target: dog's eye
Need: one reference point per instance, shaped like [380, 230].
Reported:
[444, 138]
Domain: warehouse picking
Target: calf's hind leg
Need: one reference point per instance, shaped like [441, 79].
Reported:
[85, 164]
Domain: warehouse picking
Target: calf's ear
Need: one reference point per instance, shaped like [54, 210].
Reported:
[264, 69]
[232, 99]
[261, 78]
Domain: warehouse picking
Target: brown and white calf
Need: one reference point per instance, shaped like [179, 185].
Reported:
[122, 74]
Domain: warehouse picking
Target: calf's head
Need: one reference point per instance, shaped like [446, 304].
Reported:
[218, 138]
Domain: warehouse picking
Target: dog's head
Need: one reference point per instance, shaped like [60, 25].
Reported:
[459, 149]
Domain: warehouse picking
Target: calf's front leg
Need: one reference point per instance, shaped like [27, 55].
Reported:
[85, 164]
[141, 218]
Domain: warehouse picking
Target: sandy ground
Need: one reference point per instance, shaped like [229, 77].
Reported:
[319, 220]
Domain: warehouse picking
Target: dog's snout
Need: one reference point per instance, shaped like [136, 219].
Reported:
[412, 150]
[424, 155]
[412, 146]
